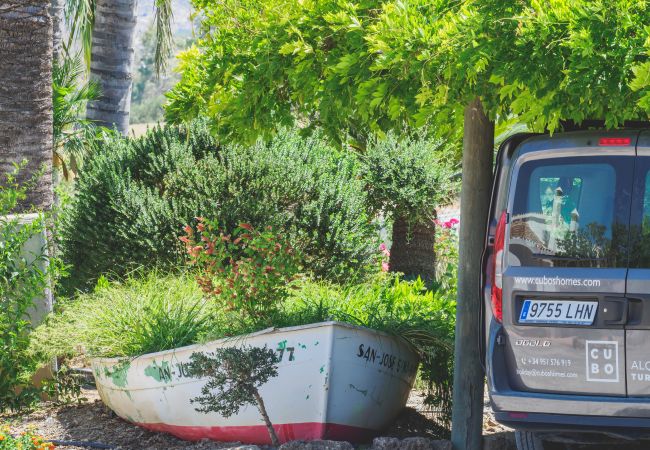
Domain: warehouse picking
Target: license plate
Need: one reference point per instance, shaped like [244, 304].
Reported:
[568, 312]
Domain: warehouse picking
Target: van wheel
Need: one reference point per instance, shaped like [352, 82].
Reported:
[527, 440]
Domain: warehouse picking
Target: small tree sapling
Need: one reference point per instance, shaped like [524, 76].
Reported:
[234, 378]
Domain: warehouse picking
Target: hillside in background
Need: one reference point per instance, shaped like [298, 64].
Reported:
[182, 25]
[148, 91]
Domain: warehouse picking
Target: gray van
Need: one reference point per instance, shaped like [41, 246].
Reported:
[566, 287]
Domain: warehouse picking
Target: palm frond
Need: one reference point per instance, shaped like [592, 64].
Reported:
[73, 135]
[164, 37]
[80, 20]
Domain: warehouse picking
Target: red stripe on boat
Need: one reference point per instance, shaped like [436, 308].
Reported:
[258, 434]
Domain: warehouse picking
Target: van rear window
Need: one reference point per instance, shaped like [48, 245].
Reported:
[571, 212]
[640, 217]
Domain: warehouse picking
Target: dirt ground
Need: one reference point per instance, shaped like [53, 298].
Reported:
[93, 422]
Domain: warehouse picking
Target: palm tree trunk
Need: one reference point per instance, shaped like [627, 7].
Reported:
[26, 94]
[56, 12]
[111, 62]
[412, 250]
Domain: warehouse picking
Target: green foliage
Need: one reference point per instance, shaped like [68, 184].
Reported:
[73, 135]
[262, 63]
[134, 196]
[148, 97]
[547, 62]
[234, 378]
[299, 185]
[235, 373]
[24, 277]
[139, 315]
[64, 388]
[358, 66]
[446, 248]
[121, 215]
[246, 272]
[408, 177]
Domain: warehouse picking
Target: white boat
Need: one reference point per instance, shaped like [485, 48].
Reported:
[335, 381]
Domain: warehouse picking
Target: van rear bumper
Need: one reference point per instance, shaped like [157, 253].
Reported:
[539, 411]
[578, 429]
[582, 405]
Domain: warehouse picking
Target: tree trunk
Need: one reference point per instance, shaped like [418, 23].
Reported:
[26, 95]
[478, 146]
[412, 250]
[269, 426]
[56, 13]
[111, 62]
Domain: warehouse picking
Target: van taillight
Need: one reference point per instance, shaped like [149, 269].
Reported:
[497, 273]
[614, 141]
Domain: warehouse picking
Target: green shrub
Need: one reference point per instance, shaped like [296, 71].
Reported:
[409, 176]
[24, 277]
[234, 378]
[299, 185]
[134, 196]
[129, 318]
[246, 272]
[120, 216]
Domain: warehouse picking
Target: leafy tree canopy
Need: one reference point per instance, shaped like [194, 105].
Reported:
[365, 66]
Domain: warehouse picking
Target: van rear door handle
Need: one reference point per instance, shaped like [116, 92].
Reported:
[615, 311]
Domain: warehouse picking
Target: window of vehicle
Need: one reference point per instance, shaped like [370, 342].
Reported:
[571, 212]
[640, 217]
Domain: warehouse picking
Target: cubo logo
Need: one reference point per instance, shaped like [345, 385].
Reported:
[602, 361]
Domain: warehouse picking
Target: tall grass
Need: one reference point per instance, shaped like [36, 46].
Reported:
[161, 312]
[129, 318]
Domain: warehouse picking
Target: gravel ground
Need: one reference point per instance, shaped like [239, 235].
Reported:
[92, 421]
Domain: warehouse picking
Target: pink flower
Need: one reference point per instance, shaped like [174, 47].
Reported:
[448, 224]
[385, 267]
[384, 249]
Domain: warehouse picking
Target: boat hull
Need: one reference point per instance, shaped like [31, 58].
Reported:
[335, 381]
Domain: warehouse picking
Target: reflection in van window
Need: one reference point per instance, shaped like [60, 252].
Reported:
[564, 215]
[640, 226]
